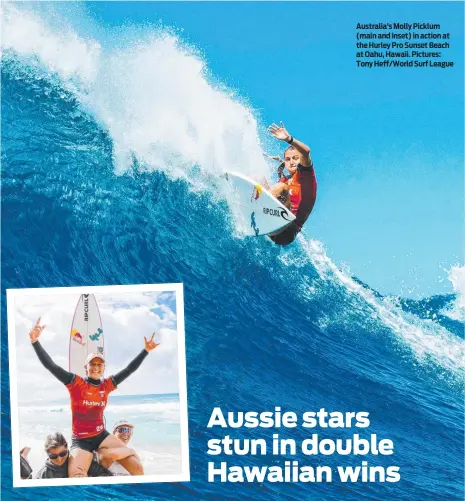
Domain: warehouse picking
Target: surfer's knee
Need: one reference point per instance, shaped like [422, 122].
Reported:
[136, 465]
[139, 469]
[77, 472]
[79, 463]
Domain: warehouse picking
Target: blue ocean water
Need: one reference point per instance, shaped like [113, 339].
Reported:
[265, 326]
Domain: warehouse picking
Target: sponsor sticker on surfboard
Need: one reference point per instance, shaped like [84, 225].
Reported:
[86, 334]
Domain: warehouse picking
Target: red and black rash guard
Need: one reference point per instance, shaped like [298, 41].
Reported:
[302, 192]
[88, 396]
[87, 405]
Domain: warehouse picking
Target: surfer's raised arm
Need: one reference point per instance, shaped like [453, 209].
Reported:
[135, 364]
[64, 376]
[296, 186]
[280, 132]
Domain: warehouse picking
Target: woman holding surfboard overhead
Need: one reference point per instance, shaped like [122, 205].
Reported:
[297, 188]
[89, 397]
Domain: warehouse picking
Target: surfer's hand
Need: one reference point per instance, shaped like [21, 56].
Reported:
[279, 132]
[36, 331]
[150, 344]
[25, 451]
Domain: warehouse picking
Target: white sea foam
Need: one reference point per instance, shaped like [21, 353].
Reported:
[59, 51]
[425, 338]
[113, 406]
[154, 96]
[457, 277]
[166, 411]
[36, 409]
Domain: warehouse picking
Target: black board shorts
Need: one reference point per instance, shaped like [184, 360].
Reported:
[89, 444]
[287, 236]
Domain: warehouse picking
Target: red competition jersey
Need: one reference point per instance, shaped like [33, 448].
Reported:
[302, 193]
[87, 405]
[295, 193]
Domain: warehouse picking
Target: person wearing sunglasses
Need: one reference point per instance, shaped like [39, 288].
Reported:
[109, 458]
[56, 465]
[89, 398]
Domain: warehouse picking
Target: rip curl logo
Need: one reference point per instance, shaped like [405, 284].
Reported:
[285, 215]
[86, 307]
[100, 349]
[253, 224]
[102, 393]
[77, 336]
[257, 191]
[94, 337]
[277, 213]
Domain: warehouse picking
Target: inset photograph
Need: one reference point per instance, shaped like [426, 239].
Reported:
[98, 385]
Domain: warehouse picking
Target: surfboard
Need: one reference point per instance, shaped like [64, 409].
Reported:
[86, 334]
[256, 210]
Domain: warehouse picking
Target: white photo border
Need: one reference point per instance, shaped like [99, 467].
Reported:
[184, 476]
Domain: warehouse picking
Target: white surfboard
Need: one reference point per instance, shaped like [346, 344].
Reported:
[86, 334]
[257, 211]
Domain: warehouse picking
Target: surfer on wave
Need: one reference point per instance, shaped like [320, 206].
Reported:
[88, 401]
[297, 189]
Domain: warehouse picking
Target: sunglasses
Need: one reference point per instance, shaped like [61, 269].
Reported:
[124, 429]
[61, 454]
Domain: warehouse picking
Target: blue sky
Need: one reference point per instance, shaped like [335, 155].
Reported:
[387, 143]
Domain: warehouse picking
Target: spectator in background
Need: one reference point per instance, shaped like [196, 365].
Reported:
[56, 465]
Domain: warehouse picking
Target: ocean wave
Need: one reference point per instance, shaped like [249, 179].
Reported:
[139, 95]
[425, 338]
[456, 310]
[96, 191]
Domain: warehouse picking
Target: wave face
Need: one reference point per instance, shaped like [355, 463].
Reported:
[110, 177]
